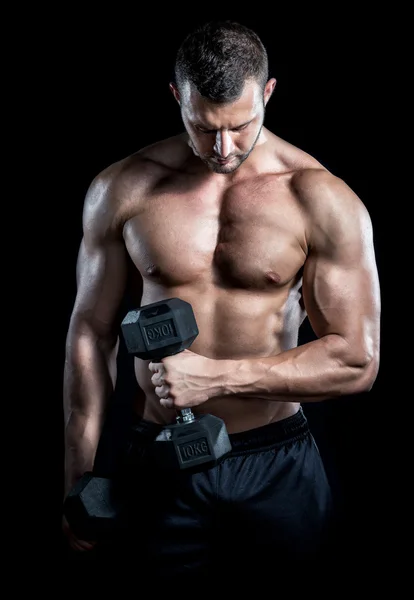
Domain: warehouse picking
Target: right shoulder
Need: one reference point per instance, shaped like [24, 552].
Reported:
[120, 190]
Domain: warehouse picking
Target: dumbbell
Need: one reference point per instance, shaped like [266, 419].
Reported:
[153, 332]
[93, 508]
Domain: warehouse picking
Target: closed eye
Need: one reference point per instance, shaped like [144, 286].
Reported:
[211, 131]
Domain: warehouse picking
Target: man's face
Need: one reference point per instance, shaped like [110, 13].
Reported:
[224, 135]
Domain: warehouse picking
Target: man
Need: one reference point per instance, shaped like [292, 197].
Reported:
[255, 234]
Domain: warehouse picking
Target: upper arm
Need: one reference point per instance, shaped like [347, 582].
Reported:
[102, 264]
[340, 279]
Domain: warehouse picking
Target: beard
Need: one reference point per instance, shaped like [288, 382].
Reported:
[234, 164]
[235, 161]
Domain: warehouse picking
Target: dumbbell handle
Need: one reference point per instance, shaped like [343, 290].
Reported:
[185, 415]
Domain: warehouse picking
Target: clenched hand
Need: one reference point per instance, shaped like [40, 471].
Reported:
[185, 379]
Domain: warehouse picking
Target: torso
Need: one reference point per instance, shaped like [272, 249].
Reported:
[234, 248]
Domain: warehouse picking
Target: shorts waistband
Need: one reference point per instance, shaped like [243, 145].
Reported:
[273, 435]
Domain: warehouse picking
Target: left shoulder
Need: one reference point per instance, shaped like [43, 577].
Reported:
[332, 209]
[314, 183]
[318, 188]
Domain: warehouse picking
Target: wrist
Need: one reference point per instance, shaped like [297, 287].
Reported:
[222, 381]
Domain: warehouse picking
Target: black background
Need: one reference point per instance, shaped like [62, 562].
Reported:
[109, 96]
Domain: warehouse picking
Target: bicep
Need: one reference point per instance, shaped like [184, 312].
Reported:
[340, 281]
[102, 265]
[101, 274]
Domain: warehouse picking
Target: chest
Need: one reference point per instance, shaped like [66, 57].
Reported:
[252, 238]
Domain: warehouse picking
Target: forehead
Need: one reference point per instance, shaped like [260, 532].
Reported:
[200, 110]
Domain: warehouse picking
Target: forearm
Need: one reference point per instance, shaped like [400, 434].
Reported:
[316, 371]
[81, 441]
[89, 381]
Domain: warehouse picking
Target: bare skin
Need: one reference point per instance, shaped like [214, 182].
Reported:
[254, 243]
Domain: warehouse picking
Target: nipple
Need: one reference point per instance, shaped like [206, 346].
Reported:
[273, 277]
[152, 270]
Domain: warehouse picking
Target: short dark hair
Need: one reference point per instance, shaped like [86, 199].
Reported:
[218, 57]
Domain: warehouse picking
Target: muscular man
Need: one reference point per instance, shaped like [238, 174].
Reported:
[255, 234]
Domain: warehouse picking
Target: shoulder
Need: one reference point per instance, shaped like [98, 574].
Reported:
[121, 187]
[139, 171]
[331, 207]
[319, 190]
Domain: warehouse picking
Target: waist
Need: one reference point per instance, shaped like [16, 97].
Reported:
[239, 414]
[271, 435]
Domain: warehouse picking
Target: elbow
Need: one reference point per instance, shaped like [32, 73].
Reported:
[361, 363]
[365, 375]
[370, 374]
[87, 348]
[86, 331]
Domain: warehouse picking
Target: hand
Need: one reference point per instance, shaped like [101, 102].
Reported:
[185, 379]
[74, 542]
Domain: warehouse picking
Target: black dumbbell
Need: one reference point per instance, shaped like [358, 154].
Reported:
[153, 332]
[93, 508]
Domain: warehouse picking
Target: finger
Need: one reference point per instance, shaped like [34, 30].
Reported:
[86, 545]
[167, 403]
[80, 545]
[162, 391]
[157, 379]
[154, 367]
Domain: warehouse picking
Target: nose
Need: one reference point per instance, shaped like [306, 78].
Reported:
[224, 144]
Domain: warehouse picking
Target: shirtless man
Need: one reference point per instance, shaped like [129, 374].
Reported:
[255, 234]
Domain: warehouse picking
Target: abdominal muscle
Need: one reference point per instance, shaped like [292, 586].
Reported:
[233, 324]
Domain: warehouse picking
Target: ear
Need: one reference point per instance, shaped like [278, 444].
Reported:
[269, 89]
[175, 92]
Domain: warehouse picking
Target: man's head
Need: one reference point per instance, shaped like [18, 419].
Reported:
[222, 86]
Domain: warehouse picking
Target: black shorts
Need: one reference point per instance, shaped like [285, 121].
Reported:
[269, 502]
